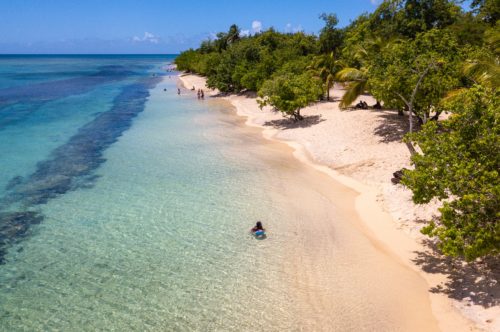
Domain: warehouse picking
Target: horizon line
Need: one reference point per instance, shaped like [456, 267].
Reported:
[23, 54]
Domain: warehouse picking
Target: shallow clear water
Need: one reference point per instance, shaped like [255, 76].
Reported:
[157, 235]
[128, 207]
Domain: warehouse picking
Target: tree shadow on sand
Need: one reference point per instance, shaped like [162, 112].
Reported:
[287, 123]
[332, 99]
[477, 281]
[392, 126]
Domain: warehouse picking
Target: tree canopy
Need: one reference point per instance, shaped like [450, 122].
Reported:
[416, 74]
[289, 93]
[330, 37]
[460, 164]
[422, 57]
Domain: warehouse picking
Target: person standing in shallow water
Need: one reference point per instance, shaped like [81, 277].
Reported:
[178, 91]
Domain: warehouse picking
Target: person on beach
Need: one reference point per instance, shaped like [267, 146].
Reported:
[202, 94]
[178, 91]
[193, 88]
[361, 105]
[199, 93]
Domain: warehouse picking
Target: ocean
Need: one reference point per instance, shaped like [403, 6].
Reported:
[125, 206]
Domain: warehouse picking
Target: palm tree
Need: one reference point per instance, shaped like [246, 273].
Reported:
[325, 66]
[357, 84]
[233, 35]
[483, 69]
[357, 78]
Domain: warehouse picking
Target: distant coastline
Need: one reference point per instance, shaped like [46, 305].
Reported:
[84, 54]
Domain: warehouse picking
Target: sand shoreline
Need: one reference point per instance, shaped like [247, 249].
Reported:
[384, 209]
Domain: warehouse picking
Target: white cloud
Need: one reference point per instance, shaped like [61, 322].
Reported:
[244, 33]
[257, 26]
[148, 37]
[289, 28]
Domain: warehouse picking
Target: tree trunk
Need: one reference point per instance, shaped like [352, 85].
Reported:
[297, 116]
[409, 104]
[410, 115]
[411, 148]
[412, 98]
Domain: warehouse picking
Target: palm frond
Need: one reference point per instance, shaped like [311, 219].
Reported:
[350, 74]
[492, 39]
[484, 71]
[354, 90]
[454, 95]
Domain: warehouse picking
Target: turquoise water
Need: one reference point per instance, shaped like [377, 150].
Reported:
[147, 231]
[126, 207]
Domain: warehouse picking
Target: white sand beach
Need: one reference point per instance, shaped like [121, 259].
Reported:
[361, 149]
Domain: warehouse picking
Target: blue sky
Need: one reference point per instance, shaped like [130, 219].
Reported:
[152, 26]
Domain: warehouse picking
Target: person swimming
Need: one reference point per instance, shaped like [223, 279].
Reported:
[258, 227]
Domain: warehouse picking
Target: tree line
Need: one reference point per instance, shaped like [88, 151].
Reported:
[420, 57]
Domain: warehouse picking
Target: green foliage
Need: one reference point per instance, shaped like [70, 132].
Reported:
[325, 67]
[423, 15]
[365, 53]
[225, 39]
[232, 63]
[233, 35]
[483, 64]
[186, 60]
[487, 10]
[459, 163]
[288, 93]
[407, 18]
[429, 65]
[330, 38]
[357, 84]
[468, 30]
[355, 36]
